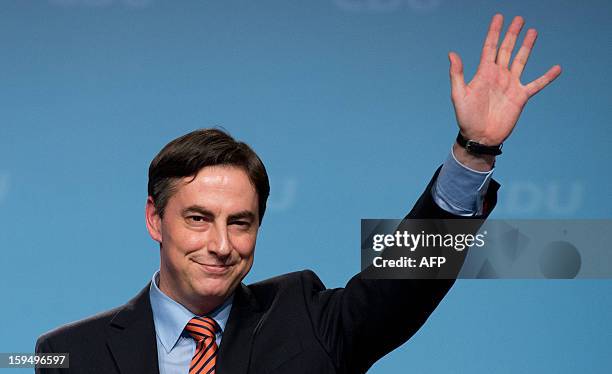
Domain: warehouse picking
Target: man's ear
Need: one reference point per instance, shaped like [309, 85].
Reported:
[153, 221]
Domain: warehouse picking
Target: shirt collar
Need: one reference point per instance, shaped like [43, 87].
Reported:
[170, 317]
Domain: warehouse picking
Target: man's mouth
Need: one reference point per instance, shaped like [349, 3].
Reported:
[214, 268]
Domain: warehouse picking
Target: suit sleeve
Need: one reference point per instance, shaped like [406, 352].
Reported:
[368, 318]
[44, 346]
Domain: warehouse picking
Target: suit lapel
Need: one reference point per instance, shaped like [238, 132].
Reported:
[235, 350]
[131, 337]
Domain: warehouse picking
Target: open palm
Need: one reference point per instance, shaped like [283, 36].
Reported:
[488, 108]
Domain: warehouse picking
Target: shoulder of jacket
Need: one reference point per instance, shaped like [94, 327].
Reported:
[87, 327]
[294, 284]
[288, 280]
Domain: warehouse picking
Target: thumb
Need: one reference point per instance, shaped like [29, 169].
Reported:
[456, 74]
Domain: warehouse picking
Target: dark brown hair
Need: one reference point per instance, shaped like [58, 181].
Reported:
[187, 155]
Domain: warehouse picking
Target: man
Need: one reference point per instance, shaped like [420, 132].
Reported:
[207, 198]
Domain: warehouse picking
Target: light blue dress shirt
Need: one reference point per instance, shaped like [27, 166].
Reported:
[458, 189]
[175, 348]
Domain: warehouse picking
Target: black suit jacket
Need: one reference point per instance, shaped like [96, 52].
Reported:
[287, 324]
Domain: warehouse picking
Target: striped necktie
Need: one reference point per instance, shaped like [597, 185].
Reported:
[202, 330]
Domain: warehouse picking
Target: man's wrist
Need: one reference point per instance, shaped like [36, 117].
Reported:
[481, 163]
[460, 189]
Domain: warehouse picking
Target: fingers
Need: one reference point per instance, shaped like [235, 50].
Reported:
[456, 75]
[489, 50]
[505, 50]
[535, 86]
[520, 60]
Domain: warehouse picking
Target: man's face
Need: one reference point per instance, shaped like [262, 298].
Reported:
[207, 236]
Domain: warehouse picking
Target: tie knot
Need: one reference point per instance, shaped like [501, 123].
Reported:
[201, 328]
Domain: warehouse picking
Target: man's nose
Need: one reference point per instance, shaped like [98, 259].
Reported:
[220, 242]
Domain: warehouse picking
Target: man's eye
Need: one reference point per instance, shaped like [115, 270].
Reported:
[241, 223]
[196, 218]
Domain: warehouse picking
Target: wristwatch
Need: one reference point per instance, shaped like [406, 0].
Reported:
[476, 148]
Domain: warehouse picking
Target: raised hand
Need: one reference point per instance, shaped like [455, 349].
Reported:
[488, 108]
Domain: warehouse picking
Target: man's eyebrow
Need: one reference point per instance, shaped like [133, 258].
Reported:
[198, 209]
[245, 214]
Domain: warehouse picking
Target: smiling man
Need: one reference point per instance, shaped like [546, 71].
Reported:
[207, 198]
[208, 230]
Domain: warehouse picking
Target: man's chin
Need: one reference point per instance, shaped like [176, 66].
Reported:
[214, 288]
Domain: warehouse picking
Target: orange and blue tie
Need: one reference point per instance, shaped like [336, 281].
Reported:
[202, 330]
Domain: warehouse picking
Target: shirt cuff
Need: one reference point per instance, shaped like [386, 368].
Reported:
[459, 189]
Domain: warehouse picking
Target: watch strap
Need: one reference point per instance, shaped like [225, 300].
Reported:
[476, 148]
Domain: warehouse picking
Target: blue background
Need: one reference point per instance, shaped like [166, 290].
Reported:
[348, 104]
